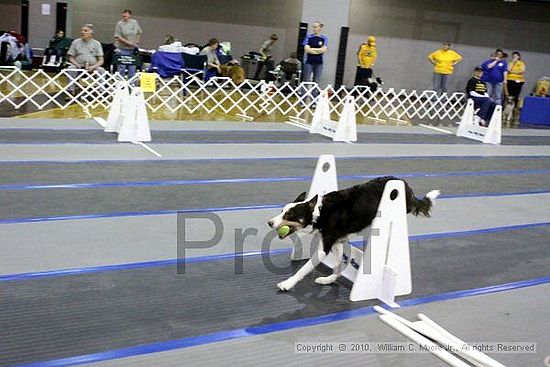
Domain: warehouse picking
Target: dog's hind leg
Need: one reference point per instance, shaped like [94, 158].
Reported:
[304, 270]
[338, 250]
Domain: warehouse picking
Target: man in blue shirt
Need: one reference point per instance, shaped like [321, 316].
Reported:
[315, 45]
[494, 75]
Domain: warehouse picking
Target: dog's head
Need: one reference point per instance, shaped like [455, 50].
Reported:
[296, 215]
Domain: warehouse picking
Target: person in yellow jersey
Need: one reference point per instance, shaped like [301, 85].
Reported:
[366, 57]
[444, 61]
[516, 76]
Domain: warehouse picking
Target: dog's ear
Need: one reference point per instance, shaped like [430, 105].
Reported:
[300, 197]
[313, 202]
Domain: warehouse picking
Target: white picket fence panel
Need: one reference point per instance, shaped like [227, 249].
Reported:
[222, 95]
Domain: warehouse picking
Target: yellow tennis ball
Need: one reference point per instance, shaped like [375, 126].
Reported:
[283, 231]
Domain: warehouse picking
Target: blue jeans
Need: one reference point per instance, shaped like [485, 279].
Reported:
[312, 73]
[121, 68]
[440, 82]
[495, 92]
[486, 107]
[315, 69]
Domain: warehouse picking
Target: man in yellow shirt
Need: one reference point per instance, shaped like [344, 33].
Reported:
[366, 57]
[444, 61]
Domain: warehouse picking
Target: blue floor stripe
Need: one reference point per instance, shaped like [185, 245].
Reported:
[275, 327]
[103, 185]
[231, 256]
[225, 209]
[136, 161]
[234, 142]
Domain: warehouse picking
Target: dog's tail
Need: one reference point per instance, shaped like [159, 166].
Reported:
[422, 206]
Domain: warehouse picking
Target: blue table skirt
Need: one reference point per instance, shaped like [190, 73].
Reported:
[536, 110]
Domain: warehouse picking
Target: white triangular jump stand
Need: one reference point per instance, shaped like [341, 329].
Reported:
[135, 124]
[382, 270]
[120, 99]
[324, 180]
[469, 127]
[389, 273]
[427, 333]
[343, 130]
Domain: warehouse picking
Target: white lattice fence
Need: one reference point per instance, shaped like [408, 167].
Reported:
[221, 95]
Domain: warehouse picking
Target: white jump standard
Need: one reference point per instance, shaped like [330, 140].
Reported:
[343, 130]
[381, 270]
[469, 125]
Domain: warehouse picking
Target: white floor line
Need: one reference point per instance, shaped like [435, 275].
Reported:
[101, 121]
[148, 148]
[436, 129]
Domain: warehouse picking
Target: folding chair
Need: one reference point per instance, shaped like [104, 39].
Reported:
[194, 66]
[167, 64]
[288, 71]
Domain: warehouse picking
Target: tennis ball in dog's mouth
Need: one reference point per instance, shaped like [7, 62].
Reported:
[283, 231]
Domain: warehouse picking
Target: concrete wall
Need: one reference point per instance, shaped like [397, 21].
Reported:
[407, 31]
[402, 63]
[245, 23]
[490, 23]
[41, 26]
[334, 14]
[10, 15]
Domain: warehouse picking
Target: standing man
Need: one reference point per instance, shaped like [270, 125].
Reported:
[127, 36]
[315, 45]
[444, 61]
[366, 57]
[267, 57]
[495, 70]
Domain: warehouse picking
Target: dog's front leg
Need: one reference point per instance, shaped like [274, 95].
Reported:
[338, 250]
[304, 270]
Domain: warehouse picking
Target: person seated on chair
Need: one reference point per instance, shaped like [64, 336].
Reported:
[171, 44]
[167, 61]
[477, 91]
[85, 53]
[212, 61]
[58, 47]
[289, 69]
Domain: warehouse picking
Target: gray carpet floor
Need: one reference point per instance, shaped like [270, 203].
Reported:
[43, 136]
[62, 202]
[65, 316]
[58, 317]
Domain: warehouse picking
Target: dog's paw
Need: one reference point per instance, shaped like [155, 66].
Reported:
[326, 280]
[286, 285]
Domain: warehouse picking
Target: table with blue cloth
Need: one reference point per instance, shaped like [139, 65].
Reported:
[535, 110]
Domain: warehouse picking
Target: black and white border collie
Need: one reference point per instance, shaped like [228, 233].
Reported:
[337, 215]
